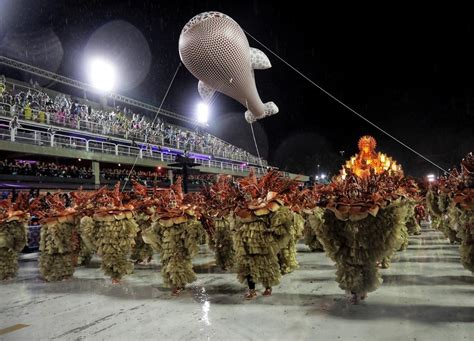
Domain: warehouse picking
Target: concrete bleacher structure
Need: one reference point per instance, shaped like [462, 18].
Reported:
[88, 142]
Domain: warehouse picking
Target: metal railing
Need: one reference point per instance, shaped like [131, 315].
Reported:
[46, 139]
[60, 120]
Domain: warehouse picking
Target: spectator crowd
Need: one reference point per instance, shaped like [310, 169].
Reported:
[36, 105]
[52, 169]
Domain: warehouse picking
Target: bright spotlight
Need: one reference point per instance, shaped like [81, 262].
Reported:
[323, 176]
[431, 177]
[202, 113]
[102, 75]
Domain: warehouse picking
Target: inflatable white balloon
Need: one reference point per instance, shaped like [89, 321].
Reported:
[216, 51]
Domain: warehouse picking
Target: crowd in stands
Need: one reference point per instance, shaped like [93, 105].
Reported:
[36, 105]
[123, 174]
[52, 169]
[39, 169]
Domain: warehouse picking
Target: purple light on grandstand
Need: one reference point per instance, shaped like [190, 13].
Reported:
[200, 156]
[170, 152]
[27, 161]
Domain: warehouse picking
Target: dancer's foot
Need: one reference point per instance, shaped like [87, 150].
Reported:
[354, 298]
[176, 291]
[144, 261]
[267, 292]
[115, 281]
[251, 294]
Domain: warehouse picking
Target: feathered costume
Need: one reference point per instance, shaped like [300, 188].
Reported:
[219, 220]
[176, 235]
[266, 232]
[13, 227]
[59, 241]
[113, 232]
[362, 224]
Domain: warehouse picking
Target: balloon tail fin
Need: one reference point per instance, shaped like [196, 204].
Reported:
[270, 109]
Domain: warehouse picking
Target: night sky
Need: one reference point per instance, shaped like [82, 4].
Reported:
[411, 73]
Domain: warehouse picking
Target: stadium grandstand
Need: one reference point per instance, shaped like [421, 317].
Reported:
[53, 140]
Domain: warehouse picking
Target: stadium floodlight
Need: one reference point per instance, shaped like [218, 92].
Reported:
[431, 177]
[102, 75]
[323, 176]
[202, 112]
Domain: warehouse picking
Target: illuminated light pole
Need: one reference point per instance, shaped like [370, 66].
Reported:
[102, 74]
[202, 112]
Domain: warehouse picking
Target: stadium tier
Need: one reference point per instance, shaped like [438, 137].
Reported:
[41, 125]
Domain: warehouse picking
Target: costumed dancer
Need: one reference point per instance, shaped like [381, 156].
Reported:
[420, 214]
[448, 187]
[263, 227]
[142, 253]
[175, 235]
[362, 224]
[113, 233]
[462, 211]
[287, 252]
[413, 198]
[313, 217]
[364, 218]
[218, 218]
[85, 208]
[13, 232]
[59, 238]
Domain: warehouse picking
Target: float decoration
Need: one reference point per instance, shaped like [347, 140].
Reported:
[368, 161]
[214, 48]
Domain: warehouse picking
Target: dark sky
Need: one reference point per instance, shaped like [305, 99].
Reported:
[411, 73]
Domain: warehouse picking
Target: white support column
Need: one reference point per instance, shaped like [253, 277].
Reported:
[170, 176]
[96, 172]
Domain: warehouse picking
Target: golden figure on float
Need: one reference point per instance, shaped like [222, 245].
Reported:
[368, 161]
